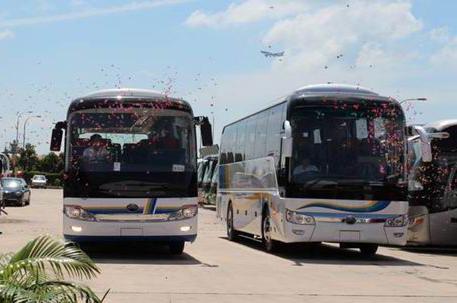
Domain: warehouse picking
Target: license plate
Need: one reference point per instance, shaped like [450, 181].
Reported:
[349, 236]
[131, 231]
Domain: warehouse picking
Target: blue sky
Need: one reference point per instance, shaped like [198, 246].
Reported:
[209, 53]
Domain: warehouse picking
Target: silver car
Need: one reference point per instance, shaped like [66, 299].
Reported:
[39, 181]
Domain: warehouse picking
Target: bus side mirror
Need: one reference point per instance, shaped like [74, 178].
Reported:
[205, 130]
[57, 134]
[56, 139]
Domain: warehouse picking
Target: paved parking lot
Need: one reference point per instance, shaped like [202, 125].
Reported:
[216, 270]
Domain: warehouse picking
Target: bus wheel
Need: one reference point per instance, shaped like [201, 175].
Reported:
[232, 234]
[269, 244]
[368, 250]
[176, 248]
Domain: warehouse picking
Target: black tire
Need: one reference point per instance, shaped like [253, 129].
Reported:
[232, 234]
[176, 248]
[21, 202]
[269, 244]
[368, 250]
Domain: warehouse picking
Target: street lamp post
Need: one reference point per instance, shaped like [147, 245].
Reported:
[15, 152]
[25, 128]
[18, 120]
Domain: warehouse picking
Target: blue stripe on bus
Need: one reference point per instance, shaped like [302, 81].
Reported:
[377, 206]
[340, 215]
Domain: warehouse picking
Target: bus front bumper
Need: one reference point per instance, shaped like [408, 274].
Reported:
[84, 231]
[345, 233]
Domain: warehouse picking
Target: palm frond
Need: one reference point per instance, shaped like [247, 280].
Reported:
[5, 259]
[36, 273]
[61, 291]
[62, 258]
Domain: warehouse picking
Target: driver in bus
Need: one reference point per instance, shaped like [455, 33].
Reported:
[305, 168]
[97, 151]
[167, 140]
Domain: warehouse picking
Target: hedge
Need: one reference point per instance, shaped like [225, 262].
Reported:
[54, 179]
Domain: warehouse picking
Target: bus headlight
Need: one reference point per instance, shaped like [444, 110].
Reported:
[398, 221]
[186, 212]
[296, 218]
[78, 213]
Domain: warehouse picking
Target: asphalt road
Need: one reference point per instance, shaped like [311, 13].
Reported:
[214, 269]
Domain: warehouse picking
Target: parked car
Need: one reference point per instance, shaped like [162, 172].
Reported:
[39, 181]
[15, 191]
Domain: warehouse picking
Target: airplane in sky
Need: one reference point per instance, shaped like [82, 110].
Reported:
[271, 54]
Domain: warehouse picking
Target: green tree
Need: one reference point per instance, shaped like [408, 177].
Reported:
[51, 163]
[38, 273]
[28, 158]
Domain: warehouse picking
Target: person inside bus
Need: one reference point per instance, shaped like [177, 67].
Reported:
[167, 140]
[305, 169]
[97, 152]
[163, 139]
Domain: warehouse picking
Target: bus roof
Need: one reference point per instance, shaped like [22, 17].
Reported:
[333, 89]
[324, 90]
[441, 124]
[124, 94]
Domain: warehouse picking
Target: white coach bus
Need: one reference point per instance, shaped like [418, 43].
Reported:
[433, 185]
[130, 167]
[328, 164]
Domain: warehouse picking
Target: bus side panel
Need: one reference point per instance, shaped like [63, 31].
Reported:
[248, 185]
[443, 228]
[248, 212]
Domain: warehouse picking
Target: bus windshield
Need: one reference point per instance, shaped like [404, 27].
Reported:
[347, 149]
[133, 141]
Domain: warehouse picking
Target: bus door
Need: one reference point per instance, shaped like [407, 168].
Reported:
[450, 195]
[443, 224]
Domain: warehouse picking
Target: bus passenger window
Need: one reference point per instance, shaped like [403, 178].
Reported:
[250, 133]
[261, 135]
[240, 141]
[454, 182]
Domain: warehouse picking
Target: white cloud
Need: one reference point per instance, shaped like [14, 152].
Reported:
[440, 34]
[373, 36]
[315, 37]
[246, 12]
[447, 55]
[374, 55]
[6, 34]
[92, 12]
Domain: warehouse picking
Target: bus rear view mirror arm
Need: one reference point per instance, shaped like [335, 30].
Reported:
[205, 130]
[57, 134]
[441, 135]
[287, 140]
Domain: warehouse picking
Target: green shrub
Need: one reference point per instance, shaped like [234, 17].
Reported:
[57, 182]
